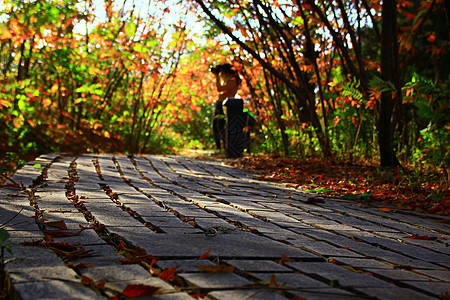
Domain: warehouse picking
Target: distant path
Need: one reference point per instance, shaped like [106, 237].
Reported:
[264, 241]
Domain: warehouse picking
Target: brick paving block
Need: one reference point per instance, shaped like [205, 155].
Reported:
[288, 236]
[397, 293]
[86, 237]
[250, 294]
[344, 276]
[17, 217]
[185, 265]
[149, 209]
[328, 250]
[48, 201]
[102, 254]
[23, 178]
[364, 263]
[210, 222]
[71, 223]
[116, 273]
[185, 230]
[134, 234]
[223, 245]
[215, 280]
[71, 214]
[433, 245]
[19, 236]
[292, 280]
[257, 266]
[111, 215]
[399, 274]
[91, 192]
[135, 198]
[437, 288]
[168, 220]
[55, 290]
[399, 259]
[441, 274]
[51, 186]
[326, 294]
[31, 256]
[33, 274]
[122, 188]
[267, 229]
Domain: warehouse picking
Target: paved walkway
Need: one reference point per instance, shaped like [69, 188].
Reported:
[195, 227]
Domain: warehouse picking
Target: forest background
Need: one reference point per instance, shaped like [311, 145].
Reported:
[361, 82]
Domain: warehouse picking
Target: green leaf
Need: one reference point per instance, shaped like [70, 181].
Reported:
[319, 190]
[4, 236]
[36, 166]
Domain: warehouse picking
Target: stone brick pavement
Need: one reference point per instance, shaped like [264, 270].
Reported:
[264, 240]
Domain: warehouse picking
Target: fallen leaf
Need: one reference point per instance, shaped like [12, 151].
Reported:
[57, 224]
[273, 282]
[139, 290]
[385, 208]
[216, 269]
[420, 237]
[284, 259]
[59, 233]
[79, 266]
[314, 200]
[205, 255]
[168, 274]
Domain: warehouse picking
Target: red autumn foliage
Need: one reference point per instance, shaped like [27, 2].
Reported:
[167, 274]
[139, 290]
[402, 188]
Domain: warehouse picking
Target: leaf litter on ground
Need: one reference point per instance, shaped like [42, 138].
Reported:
[398, 188]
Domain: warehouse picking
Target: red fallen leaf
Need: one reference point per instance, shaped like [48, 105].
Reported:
[96, 286]
[421, 237]
[79, 266]
[84, 197]
[205, 255]
[58, 224]
[85, 280]
[139, 290]
[216, 269]
[63, 246]
[435, 208]
[59, 211]
[59, 233]
[385, 208]
[167, 274]
[273, 282]
[284, 259]
[314, 200]
[130, 261]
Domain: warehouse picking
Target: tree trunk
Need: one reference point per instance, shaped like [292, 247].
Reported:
[389, 104]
